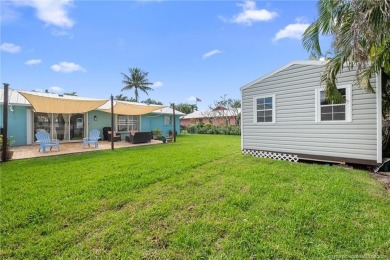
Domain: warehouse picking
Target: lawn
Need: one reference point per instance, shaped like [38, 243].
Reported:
[197, 198]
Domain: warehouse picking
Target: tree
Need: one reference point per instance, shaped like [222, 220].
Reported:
[138, 81]
[360, 31]
[185, 108]
[150, 101]
[121, 97]
[225, 108]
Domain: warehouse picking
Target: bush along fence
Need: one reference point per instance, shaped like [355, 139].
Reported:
[202, 128]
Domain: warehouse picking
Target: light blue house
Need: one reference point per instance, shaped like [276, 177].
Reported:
[68, 124]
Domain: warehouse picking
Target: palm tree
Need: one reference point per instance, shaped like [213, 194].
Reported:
[150, 101]
[137, 80]
[360, 31]
[121, 97]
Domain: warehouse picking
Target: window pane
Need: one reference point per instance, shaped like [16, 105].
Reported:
[339, 108]
[268, 106]
[42, 123]
[260, 113]
[260, 107]
[268, 119]
[339, 116]
[260, 101]
[268, 100]
[322, 98]
[326, 117]
[327, 109]
[260, 119]
[268, 113]
[342, 91]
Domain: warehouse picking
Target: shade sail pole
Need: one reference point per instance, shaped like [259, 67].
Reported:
[112, 122]
[5, 124]
[174, 123]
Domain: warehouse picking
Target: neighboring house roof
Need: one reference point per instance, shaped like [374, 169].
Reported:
[210, 113]
[307, 62]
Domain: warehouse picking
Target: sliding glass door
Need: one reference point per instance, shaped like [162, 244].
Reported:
[76, 126]
[64, 127]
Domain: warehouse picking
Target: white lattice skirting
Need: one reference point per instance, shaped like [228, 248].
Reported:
[271, 155]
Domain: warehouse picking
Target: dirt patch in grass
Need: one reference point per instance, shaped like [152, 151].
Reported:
[383, 177]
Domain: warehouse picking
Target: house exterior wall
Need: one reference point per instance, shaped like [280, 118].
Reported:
[150, 122]
[103, 119]
[17, 124]
[296, 131]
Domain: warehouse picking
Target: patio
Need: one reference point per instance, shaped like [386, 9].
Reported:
[30, 151]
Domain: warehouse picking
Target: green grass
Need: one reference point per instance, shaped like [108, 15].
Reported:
[197, 198]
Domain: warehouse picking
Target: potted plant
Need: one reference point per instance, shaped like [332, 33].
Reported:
[156, 133]
[162, 138]
[10, 141]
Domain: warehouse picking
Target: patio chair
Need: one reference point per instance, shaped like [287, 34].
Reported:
[43, 138]
[93, 138]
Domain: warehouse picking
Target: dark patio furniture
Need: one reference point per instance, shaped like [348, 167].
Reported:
[105, 132]
[116, 136]
[139, 137]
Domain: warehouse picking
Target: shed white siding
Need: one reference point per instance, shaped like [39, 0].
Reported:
[296, 130]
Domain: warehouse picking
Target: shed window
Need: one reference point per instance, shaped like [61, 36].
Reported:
[265, 109]
[328, 111]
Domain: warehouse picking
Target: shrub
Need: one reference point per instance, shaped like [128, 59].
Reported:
[10, 141]
[201, 128]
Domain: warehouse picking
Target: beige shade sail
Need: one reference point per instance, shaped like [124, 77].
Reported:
[53, 103]
[130, 108]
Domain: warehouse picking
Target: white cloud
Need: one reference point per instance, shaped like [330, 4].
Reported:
[7, 14]
[292, 31]
[210, 53]
[33, 62]
[64, 33]
[55, 89]
[67, 67]
[192, 98]
[10, 47]
[158, 84]
[52, 12]
[251, 14]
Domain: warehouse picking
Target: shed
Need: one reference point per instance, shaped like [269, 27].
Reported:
[285, 116]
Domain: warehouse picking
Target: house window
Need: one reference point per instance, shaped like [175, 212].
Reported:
[264, 108]
[168, 120]
[328, 111]
[127, 123]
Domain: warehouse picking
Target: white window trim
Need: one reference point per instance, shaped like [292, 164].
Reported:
[348, 106]
[127, 131]
[378, 91]
[273, 96]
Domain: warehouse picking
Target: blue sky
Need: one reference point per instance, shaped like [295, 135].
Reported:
[203, 49]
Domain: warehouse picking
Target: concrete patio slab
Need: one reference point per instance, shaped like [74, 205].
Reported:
[31, 151]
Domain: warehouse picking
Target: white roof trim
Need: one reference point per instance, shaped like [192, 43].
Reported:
[306, 62]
